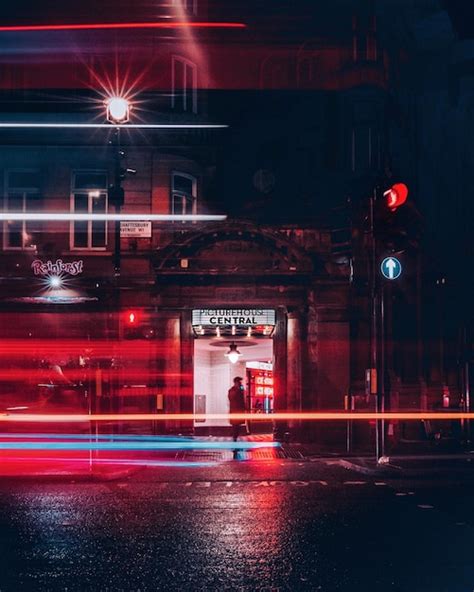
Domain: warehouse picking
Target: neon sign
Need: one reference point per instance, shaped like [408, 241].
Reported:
[48, 267]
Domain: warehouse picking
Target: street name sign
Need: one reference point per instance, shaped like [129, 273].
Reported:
[135, 229]
[391, 268]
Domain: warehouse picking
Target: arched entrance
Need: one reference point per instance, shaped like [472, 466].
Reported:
[237, 267]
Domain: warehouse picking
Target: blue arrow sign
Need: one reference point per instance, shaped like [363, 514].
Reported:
[391, 268]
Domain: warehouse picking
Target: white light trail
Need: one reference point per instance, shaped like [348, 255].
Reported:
[50, 125]
[74, 217]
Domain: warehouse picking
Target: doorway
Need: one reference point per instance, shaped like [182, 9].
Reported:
[215, 370]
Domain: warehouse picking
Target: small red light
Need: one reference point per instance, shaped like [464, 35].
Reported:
[396, 195]
[131, 318]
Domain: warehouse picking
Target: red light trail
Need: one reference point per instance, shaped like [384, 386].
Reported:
[115, 26]
[280, 416]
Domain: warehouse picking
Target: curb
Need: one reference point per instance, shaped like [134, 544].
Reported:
[396, 471]
[71, 477]
[360, 468]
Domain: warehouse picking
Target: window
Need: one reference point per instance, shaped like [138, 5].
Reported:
[89, 196]
[21, 195]
[183, 194]
[364, 39]
[306, 71]
[183, 85]
[366, 149]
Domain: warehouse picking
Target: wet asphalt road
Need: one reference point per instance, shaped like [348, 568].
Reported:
[255, 526]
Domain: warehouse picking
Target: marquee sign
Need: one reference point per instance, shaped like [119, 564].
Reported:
[247, 317]
[59, 267]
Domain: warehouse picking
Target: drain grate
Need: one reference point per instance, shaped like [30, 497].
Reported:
[286, 452]
[262, 454]
[289, 452]
[203, 456]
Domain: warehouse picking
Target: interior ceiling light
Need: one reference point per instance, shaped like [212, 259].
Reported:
[233, 354]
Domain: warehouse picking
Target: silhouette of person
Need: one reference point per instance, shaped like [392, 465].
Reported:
[236, 405]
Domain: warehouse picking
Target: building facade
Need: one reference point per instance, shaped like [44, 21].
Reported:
[310, 128]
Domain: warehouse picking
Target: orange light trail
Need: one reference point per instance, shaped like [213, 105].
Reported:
[283, 416]
[112, 26]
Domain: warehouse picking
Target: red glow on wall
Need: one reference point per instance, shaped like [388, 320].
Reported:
[279, 416]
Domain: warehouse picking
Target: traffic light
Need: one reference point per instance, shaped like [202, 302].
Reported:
[136, 325]
[131, 325]
[396, 220]
[132, 317]
[396, 196]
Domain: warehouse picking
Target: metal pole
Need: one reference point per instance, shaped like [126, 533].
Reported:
[373, 332]
[467, 400]
[118, 205]
[382, 369]
[467, 385]
[349, 407]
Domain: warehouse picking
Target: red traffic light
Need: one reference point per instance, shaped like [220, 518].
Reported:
[131, 317]
[396, 195]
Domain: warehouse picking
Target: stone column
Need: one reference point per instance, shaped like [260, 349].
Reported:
[280, 369]
[295, 348]
[172, 367]
[186, 393]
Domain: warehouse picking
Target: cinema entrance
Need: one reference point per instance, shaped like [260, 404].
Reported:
[230, 343]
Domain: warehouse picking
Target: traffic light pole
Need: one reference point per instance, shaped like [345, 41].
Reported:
[374, 332]
[381, 400]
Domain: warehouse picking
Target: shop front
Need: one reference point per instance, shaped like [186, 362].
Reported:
[218, 305]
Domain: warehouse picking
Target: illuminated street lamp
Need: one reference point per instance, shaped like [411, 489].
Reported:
[118, 110]
[118, 113]
[233, 354]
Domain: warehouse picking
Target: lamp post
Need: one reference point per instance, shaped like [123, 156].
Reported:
[118, 113]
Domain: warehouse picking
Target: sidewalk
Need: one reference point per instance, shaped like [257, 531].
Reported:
[74, 457]
[421, 467]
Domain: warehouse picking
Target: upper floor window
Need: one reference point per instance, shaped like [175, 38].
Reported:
[364, 39]
[365, 48]
[183, 194]
[22, 194]
[89, 196]
[183, 84]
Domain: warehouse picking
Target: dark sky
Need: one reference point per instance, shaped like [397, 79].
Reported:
[302, 17]
[462, 16]
[294, 20]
